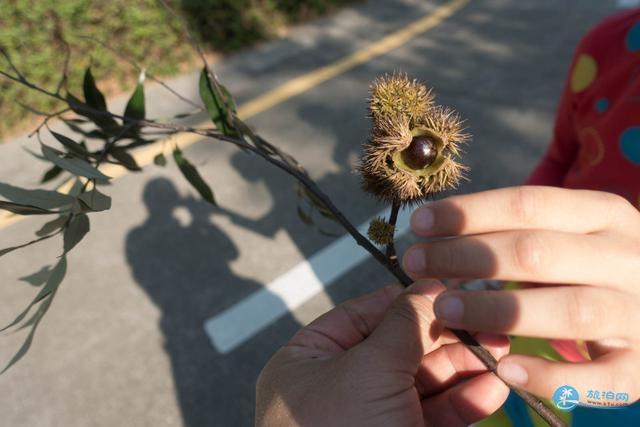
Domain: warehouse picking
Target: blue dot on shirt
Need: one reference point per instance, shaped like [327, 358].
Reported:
[630, 144]
[633, 37]
[602, 104]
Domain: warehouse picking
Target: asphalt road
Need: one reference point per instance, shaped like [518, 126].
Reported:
[124, 343]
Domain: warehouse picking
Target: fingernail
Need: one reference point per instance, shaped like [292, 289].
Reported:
[414, 261]
[449, 308]
[422, 220]
[513, 373]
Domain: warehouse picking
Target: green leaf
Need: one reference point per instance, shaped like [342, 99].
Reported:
[95, 200]
[160, 160]
[76, 230]
[75, 166]
[110, 127]
[51, 174]
[71, 145]
[19, 209]
[52, 226]
[215, 104]
[231, 102]
[92, 94]
[39, 277]
[135, 107]
[54, 280]
[316, 202]
[192, 175]
[125, 159]
[76, 188]
[45, 199]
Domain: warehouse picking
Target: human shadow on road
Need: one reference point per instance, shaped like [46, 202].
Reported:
[183, 266]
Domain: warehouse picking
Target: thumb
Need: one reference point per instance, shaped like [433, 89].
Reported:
[408, 329]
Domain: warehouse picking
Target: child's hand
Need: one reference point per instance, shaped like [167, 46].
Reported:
[586, 240]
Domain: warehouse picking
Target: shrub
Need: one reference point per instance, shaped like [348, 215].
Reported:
[142, 30]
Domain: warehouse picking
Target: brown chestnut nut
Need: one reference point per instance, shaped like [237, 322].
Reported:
[421, 153]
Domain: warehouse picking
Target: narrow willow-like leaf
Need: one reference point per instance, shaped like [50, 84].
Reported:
[228, 99]
[92, 94]
[160, 160]
[95, 200]
[19, 209]
[315, 202]
[72, 124]
[71, 145]
[76, 188]
[78, 228]
[110, 127]
[215, 105]
[125, 159]
[53, 281]
[45, 199]
[135, 107]
[52, 226]
[51, 173]
[56, 278]
[191, 174]
[75, 166]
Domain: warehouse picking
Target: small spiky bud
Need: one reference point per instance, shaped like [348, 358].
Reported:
[414, 144]
[380, 231]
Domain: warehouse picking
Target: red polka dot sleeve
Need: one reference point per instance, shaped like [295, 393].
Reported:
[596, 137]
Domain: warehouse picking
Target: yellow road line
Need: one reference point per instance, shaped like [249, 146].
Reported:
[287, 90]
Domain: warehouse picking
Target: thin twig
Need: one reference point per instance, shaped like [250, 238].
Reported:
[46, 119]
[58, 35]
[109, 144]
[393, 218]
[140, 69]
[11, 64]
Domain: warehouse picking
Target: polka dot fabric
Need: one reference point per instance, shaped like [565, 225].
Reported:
[596, 141]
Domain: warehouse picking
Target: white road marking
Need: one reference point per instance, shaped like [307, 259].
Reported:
[245, 319]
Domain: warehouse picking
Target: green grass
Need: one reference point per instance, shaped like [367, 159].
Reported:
[142, 30]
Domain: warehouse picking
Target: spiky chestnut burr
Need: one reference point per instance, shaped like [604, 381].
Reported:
[380, 231]
[414, 145]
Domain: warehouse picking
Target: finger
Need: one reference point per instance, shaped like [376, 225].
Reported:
[407, 331]
[616, 372]
[560, 312]
[447, 365]
[515, 208]
[349, 323]
[465, 403]
[532, 255]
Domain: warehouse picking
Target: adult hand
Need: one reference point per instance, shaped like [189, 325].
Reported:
[588, 241]
[379, 360]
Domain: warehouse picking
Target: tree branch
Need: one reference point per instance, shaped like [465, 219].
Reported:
[393, 218]
[289, 164]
